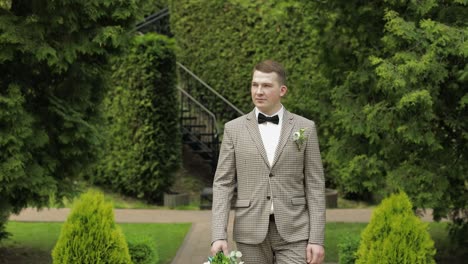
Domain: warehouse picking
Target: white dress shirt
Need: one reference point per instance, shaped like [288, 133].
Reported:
[270, 134]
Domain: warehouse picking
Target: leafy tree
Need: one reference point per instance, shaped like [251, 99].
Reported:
[400, 106]
[54, 64]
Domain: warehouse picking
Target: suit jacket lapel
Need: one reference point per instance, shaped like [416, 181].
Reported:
[286, 129]
[252, 127]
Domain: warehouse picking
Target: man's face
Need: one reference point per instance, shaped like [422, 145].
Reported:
[267, 92]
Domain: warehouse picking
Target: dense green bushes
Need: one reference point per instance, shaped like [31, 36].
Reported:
[385, 81]
[143, 251]
[142, 142]
[53, 63]
[395, 235]
[90, 236]
[347, 249]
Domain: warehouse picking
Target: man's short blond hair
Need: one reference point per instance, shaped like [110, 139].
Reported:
[269, 66]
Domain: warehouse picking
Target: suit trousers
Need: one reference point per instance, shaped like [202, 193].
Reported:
[274, 249]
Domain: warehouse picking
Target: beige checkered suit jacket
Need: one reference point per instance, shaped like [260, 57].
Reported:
[295, 182]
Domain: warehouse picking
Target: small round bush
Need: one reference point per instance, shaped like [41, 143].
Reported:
[395, 235]
[143, 250]
[90, 235]
[347, 249]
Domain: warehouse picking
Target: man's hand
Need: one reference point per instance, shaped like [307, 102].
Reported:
[315, 254]
[219, 245]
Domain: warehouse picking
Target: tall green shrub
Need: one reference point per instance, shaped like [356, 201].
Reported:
[142, 140]
[395, 235]
[54, 65]
[90, 235]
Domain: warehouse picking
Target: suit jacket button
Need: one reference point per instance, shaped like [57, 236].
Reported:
[271, 174]
[268, 197]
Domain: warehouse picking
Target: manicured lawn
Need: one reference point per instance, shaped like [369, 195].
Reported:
[333, 234]
[33, 242]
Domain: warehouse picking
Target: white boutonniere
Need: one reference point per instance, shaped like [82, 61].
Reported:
[299, 137]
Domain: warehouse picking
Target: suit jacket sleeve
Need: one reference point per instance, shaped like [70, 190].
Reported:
[223, 187]
[315, 188]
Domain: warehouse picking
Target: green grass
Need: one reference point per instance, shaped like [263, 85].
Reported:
[168, 237]
[36, 240]
[333, 233]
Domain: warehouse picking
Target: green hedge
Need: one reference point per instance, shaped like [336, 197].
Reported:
[395, 235]
[142, 147]
[382, 79]
[233, 36]
[90, 235]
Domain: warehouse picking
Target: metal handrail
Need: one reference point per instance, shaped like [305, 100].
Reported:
[210, 88]
[152, 18]
[199, 104]
[164, 10]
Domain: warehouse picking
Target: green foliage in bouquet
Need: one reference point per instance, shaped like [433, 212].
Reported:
[220, 258]
[396, 235]
[90, 235]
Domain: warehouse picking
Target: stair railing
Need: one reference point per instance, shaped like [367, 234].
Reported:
[199, 130]
[200, 127]
[157, 22]
[204, 93]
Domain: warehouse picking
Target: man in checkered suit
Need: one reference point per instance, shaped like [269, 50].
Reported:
[272, 156]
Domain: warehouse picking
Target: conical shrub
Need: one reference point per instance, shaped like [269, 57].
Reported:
[395, 235]
[90, 235]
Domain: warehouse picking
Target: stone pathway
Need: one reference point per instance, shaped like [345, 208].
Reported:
[196, 245]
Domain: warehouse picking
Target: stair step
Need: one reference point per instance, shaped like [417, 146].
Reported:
[203, 151]
[193, 142]
[205, 134]
[189, 118]
[190, 126]
[197, 134]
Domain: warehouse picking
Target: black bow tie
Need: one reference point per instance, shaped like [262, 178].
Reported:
[262, 119]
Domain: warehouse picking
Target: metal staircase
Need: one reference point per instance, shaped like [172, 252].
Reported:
[201, 127]
[203, 110]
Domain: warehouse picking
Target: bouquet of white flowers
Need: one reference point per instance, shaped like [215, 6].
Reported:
[220, 258]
